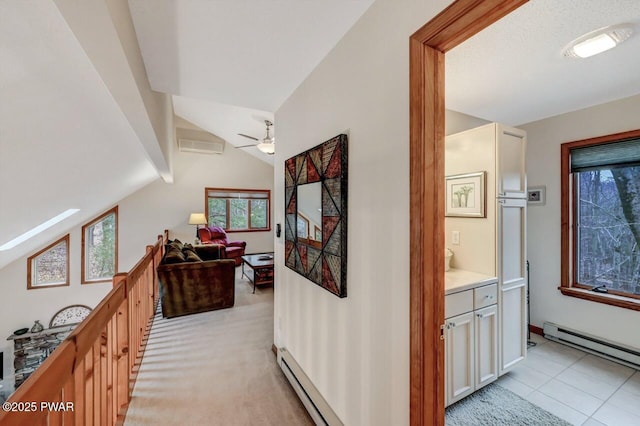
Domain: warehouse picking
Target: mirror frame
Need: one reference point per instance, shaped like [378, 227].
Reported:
[325, 163]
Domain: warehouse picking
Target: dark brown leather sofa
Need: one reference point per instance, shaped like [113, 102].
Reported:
[189, 287]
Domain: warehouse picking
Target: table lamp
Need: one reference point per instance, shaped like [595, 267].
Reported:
[197, 219]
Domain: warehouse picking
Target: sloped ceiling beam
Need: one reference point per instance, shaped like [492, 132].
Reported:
[105, 31]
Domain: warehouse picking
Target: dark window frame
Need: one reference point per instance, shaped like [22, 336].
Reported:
[568, 283]
[267, 192]
[30, 266]
[83, 271]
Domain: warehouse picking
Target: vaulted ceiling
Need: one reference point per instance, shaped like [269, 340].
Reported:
[80, 126]
[230, 64]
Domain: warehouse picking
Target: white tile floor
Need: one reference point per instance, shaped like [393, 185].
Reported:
[576, 386]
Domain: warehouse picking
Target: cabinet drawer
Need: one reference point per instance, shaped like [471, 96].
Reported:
[485, 296]
[458, 303]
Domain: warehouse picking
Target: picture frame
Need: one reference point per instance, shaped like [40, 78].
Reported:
[466, 195]
[537, 195]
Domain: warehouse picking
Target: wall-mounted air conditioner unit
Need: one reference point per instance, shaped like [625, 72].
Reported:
[201, 146]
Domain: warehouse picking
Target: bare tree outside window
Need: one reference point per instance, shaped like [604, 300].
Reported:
[608, 229]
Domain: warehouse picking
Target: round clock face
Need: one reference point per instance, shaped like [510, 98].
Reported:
[70, 315]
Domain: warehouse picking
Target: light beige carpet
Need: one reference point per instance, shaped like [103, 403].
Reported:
[215, 368]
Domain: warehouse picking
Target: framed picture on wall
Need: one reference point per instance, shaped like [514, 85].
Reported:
[465, 195]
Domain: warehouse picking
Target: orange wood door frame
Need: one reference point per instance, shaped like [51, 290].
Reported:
[458, 22]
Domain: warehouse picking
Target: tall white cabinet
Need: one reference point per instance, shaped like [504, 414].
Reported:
[511, 225]
[486, 338]
[512, 282]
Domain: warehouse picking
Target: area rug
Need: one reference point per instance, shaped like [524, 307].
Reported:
[494, 405]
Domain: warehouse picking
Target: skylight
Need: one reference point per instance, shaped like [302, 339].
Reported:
[32, 232]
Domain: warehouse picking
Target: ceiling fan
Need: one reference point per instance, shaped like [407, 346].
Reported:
[266, 145]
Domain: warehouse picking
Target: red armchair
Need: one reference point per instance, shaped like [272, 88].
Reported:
[216, 235]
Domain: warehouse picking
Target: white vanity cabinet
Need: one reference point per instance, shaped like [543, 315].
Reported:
[471, 341]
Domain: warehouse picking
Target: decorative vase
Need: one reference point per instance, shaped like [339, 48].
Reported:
[37, 327]
[448, 254]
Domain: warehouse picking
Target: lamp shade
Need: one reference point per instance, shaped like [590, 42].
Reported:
[197, 219]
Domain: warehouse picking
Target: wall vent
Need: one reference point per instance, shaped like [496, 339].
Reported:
[200, 146]
[318, 408]
[616, 352]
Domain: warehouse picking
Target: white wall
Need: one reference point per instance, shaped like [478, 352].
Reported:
[468, 152]
[455, 122]
[543, 168]
[20, 307]
[356, 349]
[141, 217]
[160, 206]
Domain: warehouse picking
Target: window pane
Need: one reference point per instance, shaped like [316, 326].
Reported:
[238, 210]
[303, 227]
[100, 240]
[51, 266]
[608, 226]
[258, 213]
[217, 212]
[239, 214]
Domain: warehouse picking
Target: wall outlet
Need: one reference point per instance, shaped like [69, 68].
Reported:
[455, 238]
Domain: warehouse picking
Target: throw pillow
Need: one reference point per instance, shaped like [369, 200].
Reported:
[175, 243]
[173, 255]
[192, 256]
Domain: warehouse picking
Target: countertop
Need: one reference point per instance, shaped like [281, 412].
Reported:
[456, 280]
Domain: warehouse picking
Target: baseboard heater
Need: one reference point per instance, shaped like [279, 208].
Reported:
[616, 352]
[318, 408]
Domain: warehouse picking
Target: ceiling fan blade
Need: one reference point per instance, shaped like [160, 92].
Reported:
[245, 146]
[247, 136]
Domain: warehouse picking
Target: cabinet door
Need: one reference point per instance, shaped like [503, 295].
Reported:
[510, 152]
[486, 330]
[513, 324]
[512, 282]
[459, 357]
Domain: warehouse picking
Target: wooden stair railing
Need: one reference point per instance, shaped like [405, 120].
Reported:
[89, 377]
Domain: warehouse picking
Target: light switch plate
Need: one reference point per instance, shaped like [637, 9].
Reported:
[455, 238]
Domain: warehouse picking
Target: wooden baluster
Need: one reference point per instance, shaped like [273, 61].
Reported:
[110, 370]
[69, 396]
[97, 390]
[79, 406]
[88, 388]
[103, 376]
[54, 416]
[122, 347]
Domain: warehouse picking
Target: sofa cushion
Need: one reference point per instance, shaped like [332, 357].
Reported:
[211, 251]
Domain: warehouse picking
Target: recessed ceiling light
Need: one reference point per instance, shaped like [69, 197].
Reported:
[48, 224]
[598, 41]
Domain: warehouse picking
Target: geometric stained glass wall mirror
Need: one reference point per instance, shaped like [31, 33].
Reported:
[316, 215]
